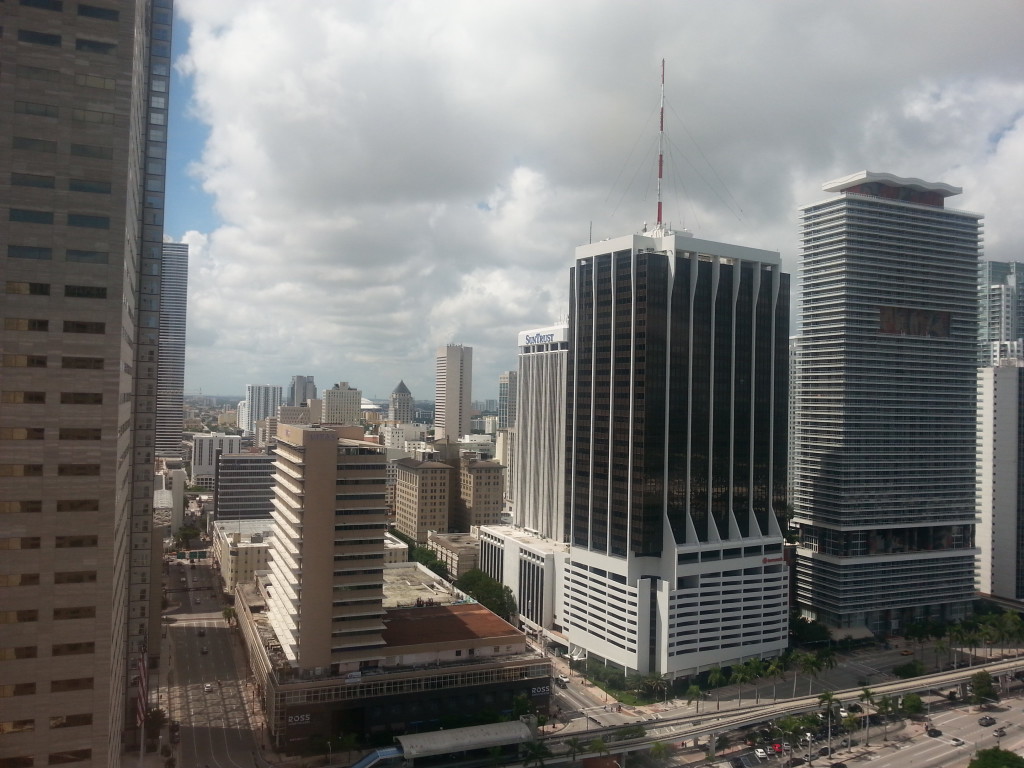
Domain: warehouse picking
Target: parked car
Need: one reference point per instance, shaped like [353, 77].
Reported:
[906, 652]
[204, 650]
[934, 732]
[825, 752]
[760, 754]
[986, 721]
[207, 688]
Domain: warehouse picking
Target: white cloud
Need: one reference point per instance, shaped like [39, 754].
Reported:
[396, 175]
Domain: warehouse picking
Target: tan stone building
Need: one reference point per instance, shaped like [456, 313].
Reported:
[480, 498]
[460, 552]
[422, 494]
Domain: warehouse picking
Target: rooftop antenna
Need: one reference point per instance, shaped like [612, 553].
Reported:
[661, 140]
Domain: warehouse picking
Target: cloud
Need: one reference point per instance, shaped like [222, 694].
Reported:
[393, 176]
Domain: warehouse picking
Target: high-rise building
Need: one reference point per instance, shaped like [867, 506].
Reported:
[507, 399]
[243, 486]
[301, 390]
[205, 449]
[422, 497]
[326, 559]
[676, 452]
[342, 404]
[170, 384]
[453, 392]
[1001, 479]
[261, 401]
[479, 498]
[401, 409]
[83, 118]
[884, 496]
[538, 491]
[1000, 311]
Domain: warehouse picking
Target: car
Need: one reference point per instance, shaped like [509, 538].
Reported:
[906, 652]
[562, 681]
[207, 688]
[844, 712]
[838, 765]
[956, 742]
[999, 733]
[204, 650]
[787, 746]
[777, 748]
[825, 752]
[934, 732]
[760, 754]
[986, 721]
[183, 580]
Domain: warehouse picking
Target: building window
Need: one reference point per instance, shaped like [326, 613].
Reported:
[79, 612]
[33, 108]
[82, 363]
[70, 721]
[78, 505]
[77, 470]
[17, 726]
[18, 689]
[26, 324]
[28, 289]
[29, 506]
[32, 180]
[19, 617]
[31, 217]
[92, 81]
[26, 72]
[94, 46]
[21, 433]
[81, 398]
[35, 145]
[91, 150]
[19, 580]
[22, 397]
[71, 756]
[29, 252]
[92, 116]
[75, 577]
[23, 761]
[87, 257]
[23, 470]
[95, 12]
[20, 542]
[47, 5]
[18, 652]
[85, 291]
[38, 38]
[75, 542]
[89, 185]
[79, 433]
[82, 326]
[85, 220]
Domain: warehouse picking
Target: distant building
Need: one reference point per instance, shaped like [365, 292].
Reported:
[453, 392]
[1000, 311]
[479, 498]
[243, 486]
[205, 448]
[507, 385]
[538, 480]
[261, 401]
[301, 390]
[460, 552]
[401, 408]
[170, 385]
[395, 550]
[1001, 479]
[311, 413]
[398, 434]
[342, 404]
[241, 550]
[422, 494]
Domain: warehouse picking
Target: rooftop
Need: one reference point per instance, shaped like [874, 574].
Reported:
[866, 177]
[444, 624]
[407, 583]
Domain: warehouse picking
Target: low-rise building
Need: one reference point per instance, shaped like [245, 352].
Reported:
[239, 548]
[460, 552]
[422, 492]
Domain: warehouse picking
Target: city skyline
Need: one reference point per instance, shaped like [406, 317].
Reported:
[489, 173]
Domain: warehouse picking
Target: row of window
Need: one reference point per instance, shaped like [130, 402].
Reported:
[42, 324]
[39, 433]
[59, 614]
[46, 217]
[41, 361]
[22, 288]
[42, 253]
[35, 397]
[83, 44]
[56, 686]
[89, 11]
[37, 109]
[59, 577]
[41, 181]
[31, 506]
[59, 542]
[36, 470]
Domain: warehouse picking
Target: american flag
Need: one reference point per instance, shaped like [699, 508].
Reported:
[143, 700]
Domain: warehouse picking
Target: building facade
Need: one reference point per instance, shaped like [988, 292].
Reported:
[676, 451]
[538, 493]
[261, 401]
[422, 497]
[507, 386]
[1000, 311]
[453, 392]
[170, 386]
[1001, 479]
[480, 497]
[240, 550]
[401, 409]
[205, 449]
[342, 404]
[83, 118]
[301, 390]
[243, 486]
[884, 496]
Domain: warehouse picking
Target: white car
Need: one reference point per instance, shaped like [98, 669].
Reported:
[956, 742]
[207, 688]
[760, 754]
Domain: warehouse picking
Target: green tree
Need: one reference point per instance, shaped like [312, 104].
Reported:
[155, 719]
[885, 708]
[776, 670]
[850, 723]
[660, 753]
[996, 758]
[716, 679]
[598, 746]
[229, 615]
[983, 688]
[535, 752]
[867, 696]
[755, 671]
[827, 701]
[574, 746]
[811, 664]
[912, 704]
[491, 594]
[739, 676]
[694, 693]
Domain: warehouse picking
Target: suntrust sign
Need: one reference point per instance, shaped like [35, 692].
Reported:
[551, 335]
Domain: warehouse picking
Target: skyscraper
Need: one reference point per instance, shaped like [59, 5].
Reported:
[507, 399]
[453, 392]
[539, 478]
[261, 401]
[83, 113]
[676, 452]
[1000, 311]
[400, 405]
[884, 495]
[170, 385]
[301, 390]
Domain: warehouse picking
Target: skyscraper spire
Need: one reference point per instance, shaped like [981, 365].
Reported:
[661, 140]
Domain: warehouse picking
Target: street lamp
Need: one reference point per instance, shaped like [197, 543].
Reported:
[810, 755]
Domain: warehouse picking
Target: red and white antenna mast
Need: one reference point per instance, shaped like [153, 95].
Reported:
[661, 140]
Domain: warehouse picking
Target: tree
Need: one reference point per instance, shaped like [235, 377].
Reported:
[827, 700]
[598, 747]
[996, 758]
[534, 753]
[660, 753]
[755, 671]
[885, 708]
[574, 746]
[738, 677]
[850, 723]
[491, 594]
[913, 704]
[983, 688]
[868, 697]
[229, 615]
[694, 693]
[155, 719]
[811, 664]
[716, 679]
[776, 670]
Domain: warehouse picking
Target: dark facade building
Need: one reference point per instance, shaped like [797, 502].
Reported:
[676, 452]
[244, 486]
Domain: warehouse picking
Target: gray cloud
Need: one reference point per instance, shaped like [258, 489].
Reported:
[396, 175]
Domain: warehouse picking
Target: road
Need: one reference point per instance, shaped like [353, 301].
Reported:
[215, 728]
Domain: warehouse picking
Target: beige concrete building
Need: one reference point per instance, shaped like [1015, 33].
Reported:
[422, 494]
[480, 498]
[325, 585]
[83, 118]
[241, 549]
[460, 552]
[342, 404]
[395, 550]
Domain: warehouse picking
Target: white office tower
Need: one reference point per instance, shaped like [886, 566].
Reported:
[170, 377]
[676, 453]
[539, 478]
[1001, 479]
[342, 404]
[262, 400]
[401, 409]
[453, 392]
[1000, 311]
[204, 453]
[886, 424]
[507, 383]
[301, 390]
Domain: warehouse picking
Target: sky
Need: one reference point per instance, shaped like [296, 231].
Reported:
[361, 182]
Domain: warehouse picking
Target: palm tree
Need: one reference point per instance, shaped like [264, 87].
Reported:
[797, 661]
[971, 638]
[941, 646]
[694, 693]
[868, 697]
[790, 727]
[660, 753]
[535, 752]
[755, 671]
[1013, 628]
[850, 725]
[738, 677]
[885, 707]
[811, 664]
[598, 747]
[574, 746]
[956, 639]
[776, 670]
[716, 679]
[827, 700]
